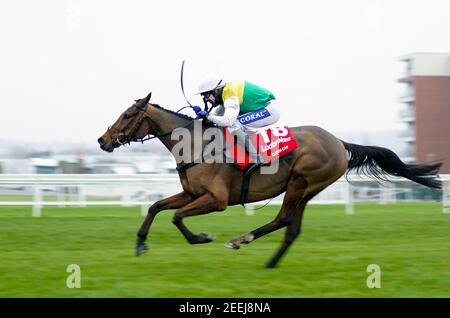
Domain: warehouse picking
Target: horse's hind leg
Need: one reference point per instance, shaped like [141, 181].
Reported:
[292, 232]
[294, 192]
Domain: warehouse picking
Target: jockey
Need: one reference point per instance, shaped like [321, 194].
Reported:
[240, 106]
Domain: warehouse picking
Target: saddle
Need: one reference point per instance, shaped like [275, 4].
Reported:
[272, 143]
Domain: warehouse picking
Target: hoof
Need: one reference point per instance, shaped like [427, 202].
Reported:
[271, 265]
[206, 237]
[141, 249]
[232, 244]
[202, 238]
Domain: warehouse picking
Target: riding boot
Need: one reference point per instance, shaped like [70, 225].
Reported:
[256, 159]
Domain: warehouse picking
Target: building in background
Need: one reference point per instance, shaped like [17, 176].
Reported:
[426, 111]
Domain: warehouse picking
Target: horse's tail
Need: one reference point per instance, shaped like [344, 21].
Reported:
[378, 161]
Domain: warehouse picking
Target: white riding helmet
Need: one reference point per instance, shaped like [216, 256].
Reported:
[210, 83]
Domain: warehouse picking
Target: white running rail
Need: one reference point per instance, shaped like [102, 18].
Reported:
[144, 189]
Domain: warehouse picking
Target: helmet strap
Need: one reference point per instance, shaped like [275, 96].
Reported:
[217, 93]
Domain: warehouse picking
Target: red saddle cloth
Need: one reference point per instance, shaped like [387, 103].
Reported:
[272, 143]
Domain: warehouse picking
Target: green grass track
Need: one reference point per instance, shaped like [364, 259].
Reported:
[410, 243]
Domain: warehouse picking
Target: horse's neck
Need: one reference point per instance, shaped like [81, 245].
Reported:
[186, 135]
[164, 122]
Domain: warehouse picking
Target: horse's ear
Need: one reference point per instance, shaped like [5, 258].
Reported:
[147, 99]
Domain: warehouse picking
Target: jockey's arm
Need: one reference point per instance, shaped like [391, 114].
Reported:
[231, 106]
[215, 111]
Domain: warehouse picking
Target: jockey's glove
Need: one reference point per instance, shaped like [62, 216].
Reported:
[197, 109]
[202, 114]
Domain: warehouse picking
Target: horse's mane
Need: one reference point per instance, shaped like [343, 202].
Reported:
[183, 116]
[174, 113]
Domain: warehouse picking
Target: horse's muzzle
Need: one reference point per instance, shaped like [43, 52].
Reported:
[101, 141]
[104, 146]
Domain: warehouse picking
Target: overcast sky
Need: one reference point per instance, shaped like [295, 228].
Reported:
[69, 68]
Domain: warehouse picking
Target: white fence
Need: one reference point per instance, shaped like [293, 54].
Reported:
[38, 190]
[86, 189]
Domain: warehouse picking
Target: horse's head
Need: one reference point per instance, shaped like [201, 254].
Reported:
[132, 125]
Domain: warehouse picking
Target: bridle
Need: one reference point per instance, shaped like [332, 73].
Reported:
[124, 139]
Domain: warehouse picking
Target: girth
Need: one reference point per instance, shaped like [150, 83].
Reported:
[245, 178]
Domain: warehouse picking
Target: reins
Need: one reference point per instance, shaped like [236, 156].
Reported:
[148, 137]
[144, 110]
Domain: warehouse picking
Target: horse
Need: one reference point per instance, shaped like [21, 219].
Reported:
[319, 160]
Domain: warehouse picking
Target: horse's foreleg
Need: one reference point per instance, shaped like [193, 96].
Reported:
[174, 202]
[202, 205]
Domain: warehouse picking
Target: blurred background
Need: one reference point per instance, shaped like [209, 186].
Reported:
[372, 72]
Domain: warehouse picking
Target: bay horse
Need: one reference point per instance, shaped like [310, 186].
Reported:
[319, 160]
